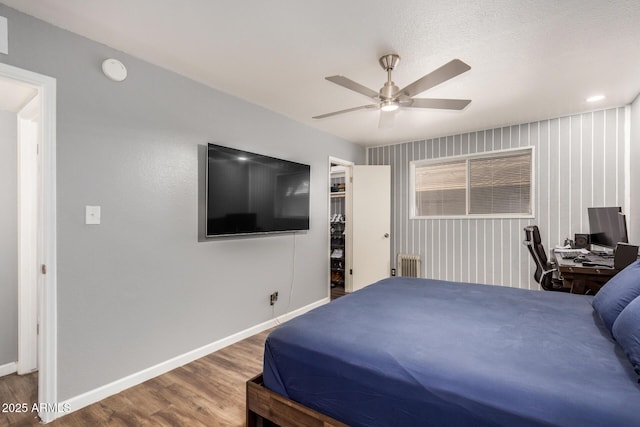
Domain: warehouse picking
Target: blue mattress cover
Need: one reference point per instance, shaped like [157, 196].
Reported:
[409, 352]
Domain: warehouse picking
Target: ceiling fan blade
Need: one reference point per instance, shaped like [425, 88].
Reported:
[441, 104]
[348, 110]
[387, 119]
[434, 78]
[351, 85]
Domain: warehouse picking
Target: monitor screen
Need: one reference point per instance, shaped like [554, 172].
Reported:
[252, 193]
[607, 226]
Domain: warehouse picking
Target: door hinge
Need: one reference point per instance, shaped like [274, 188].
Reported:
[38, 329]
[44, 269]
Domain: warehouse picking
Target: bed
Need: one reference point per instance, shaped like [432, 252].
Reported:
[408, 352]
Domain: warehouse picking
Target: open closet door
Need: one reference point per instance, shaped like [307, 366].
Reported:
[371, 190]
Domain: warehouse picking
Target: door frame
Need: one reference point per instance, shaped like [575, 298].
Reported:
[348, 282]
[47, 276]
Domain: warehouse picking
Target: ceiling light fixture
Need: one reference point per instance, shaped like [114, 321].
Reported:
[390, 105]
[595, 98]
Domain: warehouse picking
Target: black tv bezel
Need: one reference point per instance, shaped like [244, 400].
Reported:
[250, 233]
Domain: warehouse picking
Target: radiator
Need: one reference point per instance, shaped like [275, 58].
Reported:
[409, 265]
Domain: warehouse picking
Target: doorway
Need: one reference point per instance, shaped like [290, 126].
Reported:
[359, 225]
[340, 223]
[36, 124]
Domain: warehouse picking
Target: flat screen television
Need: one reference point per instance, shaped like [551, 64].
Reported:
[249, 193]
[607, 226]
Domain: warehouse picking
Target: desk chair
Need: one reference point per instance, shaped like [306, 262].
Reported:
[546, 274]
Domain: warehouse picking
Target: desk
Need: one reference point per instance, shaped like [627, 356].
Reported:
[582, 279]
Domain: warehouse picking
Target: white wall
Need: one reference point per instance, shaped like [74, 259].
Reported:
[634, 187]
[141, 288]
[8, 238]
[579, 162]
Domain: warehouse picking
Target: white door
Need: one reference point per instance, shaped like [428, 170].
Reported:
[371, 198]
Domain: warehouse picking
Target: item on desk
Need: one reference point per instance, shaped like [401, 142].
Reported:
[566, 253]
[559, 248]
[593, 260]
[625, 254]
[596, 264]
[569, 254]
[582, 241]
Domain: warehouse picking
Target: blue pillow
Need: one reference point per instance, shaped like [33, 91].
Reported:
[617, 293]
[626, 330]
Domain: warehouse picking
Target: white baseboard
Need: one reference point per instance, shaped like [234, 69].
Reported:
[93, 396]
[8, 369]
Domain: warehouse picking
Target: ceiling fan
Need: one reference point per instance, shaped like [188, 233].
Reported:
[390, 98]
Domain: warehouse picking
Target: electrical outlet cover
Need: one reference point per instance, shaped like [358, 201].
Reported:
[92, 214]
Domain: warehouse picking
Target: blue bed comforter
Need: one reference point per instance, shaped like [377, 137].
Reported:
[413, 352]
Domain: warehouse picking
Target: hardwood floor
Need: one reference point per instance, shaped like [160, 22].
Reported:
[337, 292]
[18, 389]
[207, 392]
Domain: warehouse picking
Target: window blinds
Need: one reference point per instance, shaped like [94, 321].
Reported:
[441, 189]
[500, 185]
[482, 185]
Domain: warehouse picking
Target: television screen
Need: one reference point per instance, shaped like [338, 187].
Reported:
[607, 226]
[252, 193]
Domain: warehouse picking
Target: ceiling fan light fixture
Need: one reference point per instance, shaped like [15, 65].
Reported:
[390, 105]
[390, 98]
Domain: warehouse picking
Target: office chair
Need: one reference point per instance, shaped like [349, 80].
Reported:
[546, 274]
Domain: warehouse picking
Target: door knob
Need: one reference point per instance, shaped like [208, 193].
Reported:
[386, 235]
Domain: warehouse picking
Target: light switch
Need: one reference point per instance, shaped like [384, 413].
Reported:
[4, 36]
[92, 215]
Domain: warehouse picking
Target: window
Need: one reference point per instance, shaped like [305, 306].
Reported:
[497, 184]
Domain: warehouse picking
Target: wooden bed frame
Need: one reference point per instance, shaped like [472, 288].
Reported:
[266, 408]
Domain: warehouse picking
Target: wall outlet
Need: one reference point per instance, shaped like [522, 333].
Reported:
[273, 298]
[393, 271]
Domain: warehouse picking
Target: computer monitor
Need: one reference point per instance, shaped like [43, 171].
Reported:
[608, 226]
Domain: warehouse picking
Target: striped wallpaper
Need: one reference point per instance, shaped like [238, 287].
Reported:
[579, 161]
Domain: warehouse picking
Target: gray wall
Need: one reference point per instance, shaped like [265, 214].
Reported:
[571, 157]
[141, 288]
[634, 190]
[8, 238]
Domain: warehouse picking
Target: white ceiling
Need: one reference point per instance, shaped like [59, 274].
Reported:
[530, 59]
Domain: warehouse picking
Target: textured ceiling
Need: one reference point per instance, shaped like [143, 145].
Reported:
[530, 59]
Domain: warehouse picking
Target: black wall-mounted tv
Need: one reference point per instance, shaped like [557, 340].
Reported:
[250, 193]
